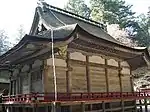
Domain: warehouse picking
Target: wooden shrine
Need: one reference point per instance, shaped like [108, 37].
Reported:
[93, 70]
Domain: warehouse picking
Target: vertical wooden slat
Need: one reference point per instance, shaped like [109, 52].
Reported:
[88, 75]
[119, 74]
[106, 76]
[68, 74]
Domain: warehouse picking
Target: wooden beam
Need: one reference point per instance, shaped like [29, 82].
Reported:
[119, 74]
[72, 61]
[106, 76]
[88, 75]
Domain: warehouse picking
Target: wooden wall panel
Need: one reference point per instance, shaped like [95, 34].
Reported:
[126, 84]
[124, 64]
[96, 59]
[112, 62]
[77, 56]
[79, 82]
[60, 66]
[113, 80]
[98, 80]
[60, 78]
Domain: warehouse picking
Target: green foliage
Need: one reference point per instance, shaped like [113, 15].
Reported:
[141, 30]
[112, 12]
[115, 12]
[78, 7]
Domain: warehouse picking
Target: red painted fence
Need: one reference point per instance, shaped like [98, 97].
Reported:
[64, 97]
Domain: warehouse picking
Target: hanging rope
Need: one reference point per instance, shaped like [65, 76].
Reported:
[54, 70]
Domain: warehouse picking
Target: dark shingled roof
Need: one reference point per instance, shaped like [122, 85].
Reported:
[53, 17]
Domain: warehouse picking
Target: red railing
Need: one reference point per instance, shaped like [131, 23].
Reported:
[62, 97]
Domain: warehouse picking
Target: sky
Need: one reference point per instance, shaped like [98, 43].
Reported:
[21, 12]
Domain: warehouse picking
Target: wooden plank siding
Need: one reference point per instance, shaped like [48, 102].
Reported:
[94, 73]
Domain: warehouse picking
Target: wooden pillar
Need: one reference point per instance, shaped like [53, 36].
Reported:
[106, 76]
[103, 106]
[131, 80]
[19, 82]
[29, 78]
[82, 107]
[119, 74]
[11, 83]
[141, 110]
[46, 70]
[88, 75]
[122, 105]
[68, 74]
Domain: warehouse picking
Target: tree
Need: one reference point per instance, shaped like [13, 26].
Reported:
[20, 34]
[78, 7]
[140, 30]
[4, 43]
[112, 12]
[121, 35]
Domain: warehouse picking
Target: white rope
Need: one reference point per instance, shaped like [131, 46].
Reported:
[58, 18]
[54, 70]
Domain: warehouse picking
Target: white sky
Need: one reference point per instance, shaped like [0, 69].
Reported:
[20, 12]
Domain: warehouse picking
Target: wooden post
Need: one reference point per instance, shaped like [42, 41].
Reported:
[106, 76]
[135, 106]
[145, 102]
[122, 105]
[82, 107]
[119, 74]
[58, 107]
[103, 106]
[68, 74]
[141, 110]
[35, 108]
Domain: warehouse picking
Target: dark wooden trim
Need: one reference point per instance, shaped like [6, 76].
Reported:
[88, 75]
[72, 61]
[119, 74]
[106, 76]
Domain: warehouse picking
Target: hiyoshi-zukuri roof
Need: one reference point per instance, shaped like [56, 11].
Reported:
[74, 31]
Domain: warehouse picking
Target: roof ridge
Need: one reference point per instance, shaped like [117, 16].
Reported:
[75, 15]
